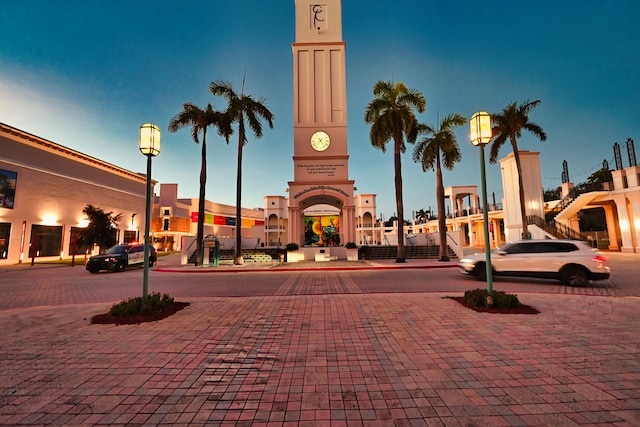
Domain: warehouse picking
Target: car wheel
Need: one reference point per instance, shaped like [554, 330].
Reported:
[480, 271]
[120, 267]
[92, 270]
[574, 275]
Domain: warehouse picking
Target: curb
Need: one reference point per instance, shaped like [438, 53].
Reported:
[205, 270]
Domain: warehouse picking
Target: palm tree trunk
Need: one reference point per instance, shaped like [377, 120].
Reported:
[442, 220]
[238, 260]
[523, 208]
[399, 204]
[201, 199]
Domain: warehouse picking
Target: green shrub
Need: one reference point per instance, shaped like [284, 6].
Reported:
[155, 303]
[292, 246]
[504, 300]
[478, 298]
[351, 245]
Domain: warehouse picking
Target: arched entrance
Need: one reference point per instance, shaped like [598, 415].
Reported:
[321, 215]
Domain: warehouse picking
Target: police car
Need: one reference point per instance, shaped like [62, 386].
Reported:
[119, 257]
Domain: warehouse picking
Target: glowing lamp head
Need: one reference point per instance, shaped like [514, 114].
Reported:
[149, 143]
[480, 125]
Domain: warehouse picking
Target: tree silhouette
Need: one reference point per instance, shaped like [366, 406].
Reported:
[101, 229]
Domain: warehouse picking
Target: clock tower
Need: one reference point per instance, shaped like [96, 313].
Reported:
[320, 155]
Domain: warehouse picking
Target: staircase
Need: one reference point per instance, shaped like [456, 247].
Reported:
[575, 200]
[410, 252]
[556, 229]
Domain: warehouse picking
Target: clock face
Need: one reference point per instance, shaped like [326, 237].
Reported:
[320, 141]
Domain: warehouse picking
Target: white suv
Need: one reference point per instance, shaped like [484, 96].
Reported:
[571, 261]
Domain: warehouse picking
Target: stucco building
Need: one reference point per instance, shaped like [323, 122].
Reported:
[44, 187]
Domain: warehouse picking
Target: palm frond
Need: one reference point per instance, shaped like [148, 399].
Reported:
[536, 130]
[510, 122]
[441, 142]
[497, 143]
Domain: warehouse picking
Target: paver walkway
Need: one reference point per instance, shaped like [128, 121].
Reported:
[326, 359]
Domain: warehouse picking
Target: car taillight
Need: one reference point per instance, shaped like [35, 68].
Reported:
[600, 259]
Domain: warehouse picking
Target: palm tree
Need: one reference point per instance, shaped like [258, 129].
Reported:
[200, 120]
[440, 148]
[240, 107]
[421, 215]
[509, 124]
[391, 116]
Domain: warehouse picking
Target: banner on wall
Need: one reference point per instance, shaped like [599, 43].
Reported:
[322, 230]
[226, 220]
[7, 188]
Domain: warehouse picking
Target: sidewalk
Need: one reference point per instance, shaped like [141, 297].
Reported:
[326, 360]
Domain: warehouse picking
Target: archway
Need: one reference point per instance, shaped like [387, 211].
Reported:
[321, 216]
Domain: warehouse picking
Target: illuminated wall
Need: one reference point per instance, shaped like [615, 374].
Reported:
[53, 185]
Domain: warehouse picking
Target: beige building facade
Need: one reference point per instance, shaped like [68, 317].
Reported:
[44, 187]
[175, 221]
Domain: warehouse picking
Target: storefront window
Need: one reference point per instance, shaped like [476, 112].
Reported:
[5, 233]
[46, 240]
[75, 243]
[130, 236]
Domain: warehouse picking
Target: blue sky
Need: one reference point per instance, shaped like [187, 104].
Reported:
[86, 74]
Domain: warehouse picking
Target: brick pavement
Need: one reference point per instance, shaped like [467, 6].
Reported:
[309, 358]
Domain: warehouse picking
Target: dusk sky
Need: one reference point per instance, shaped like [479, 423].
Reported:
[86, 74]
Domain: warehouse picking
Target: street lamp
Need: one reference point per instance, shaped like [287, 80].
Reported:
[149, 145]
[480, 125]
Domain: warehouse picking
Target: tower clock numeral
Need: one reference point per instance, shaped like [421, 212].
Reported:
[318, 16]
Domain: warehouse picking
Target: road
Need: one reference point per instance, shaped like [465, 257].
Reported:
[27, 286]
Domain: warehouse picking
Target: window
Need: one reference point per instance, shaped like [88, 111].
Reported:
[45, 240]
[517, 249]
[75, 245]
[5, 233]
[565, 247]
[130, 236]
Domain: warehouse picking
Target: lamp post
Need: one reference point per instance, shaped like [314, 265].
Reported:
[149, 145]
[480, 125]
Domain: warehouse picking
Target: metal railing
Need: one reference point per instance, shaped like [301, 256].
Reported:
[575, 192]
[430, 241]
[274, 227]
[556, 229]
